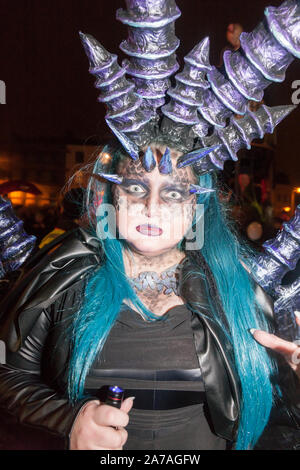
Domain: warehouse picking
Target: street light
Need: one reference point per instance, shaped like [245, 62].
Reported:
[295, 198]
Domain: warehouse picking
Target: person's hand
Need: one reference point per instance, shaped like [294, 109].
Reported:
[290, 351]
[101, 427]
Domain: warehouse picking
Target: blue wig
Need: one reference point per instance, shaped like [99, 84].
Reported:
[109, 286]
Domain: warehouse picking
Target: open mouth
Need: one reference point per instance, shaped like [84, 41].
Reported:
[150, 230]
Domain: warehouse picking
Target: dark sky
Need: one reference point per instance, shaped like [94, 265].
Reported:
[49, 89]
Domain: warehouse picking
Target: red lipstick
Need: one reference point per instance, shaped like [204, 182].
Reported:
[150, 230]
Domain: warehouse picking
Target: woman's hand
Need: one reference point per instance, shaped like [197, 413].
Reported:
[290, 351]
[95, 426]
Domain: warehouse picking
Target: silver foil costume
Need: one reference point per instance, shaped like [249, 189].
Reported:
[281, 255]
[15, 244]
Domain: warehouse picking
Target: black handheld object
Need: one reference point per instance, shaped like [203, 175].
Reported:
[115, 396]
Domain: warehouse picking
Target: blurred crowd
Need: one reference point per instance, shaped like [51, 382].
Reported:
[49, 222]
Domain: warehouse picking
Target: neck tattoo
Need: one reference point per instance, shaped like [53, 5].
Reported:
[165, 282]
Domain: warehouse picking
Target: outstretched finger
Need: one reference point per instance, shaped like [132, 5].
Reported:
[274, 342]
[297, 315]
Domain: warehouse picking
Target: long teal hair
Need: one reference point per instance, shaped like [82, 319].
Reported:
[108, 287]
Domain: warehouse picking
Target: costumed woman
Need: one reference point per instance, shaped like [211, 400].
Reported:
[156, 295]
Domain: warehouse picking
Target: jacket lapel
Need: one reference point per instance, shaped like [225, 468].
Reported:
[214, 352]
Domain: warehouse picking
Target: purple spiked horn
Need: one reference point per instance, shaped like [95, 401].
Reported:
[281, 255]
[149, 162]
[126, 111]
[165, 165]
[195, 189]
[285, 306]
[267, 52]
[181, 113]
[284, 23]
[111, 178]
[15, 244]
[264, 59]
[151, 47]
[239, 134]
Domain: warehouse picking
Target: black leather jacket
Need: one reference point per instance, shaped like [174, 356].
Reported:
[31, 387]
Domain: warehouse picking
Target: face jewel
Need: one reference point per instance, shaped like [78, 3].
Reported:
[195, 156]
[148, 161]
[165, 165]
[112, 178]
[130, 147]
[195, 189]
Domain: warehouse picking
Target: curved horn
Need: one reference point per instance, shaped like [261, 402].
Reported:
[281, 255]
[15, 244]
[239, 134]
[126, 111]
[151, 47]
[217, 96]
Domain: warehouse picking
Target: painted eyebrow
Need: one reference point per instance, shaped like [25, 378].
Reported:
[145, 182]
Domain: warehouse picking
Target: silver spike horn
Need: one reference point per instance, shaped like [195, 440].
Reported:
[150, 46]
[287, 302]
[165, 165]
[126, 111]
[267, 52]
[148, 161]
[15, 244]
[281, 255]
[116, 179]
[239, 134]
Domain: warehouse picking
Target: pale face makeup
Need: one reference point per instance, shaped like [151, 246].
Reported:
[153, 211]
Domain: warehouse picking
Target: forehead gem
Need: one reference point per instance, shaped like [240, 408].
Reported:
[148, 161]
[165, 165]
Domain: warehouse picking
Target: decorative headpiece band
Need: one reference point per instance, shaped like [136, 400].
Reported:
[199, 116]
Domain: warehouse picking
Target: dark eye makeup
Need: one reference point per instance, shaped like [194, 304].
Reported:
[128, 185]
[181, 189]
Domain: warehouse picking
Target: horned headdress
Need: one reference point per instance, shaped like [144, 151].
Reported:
[197, 116]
